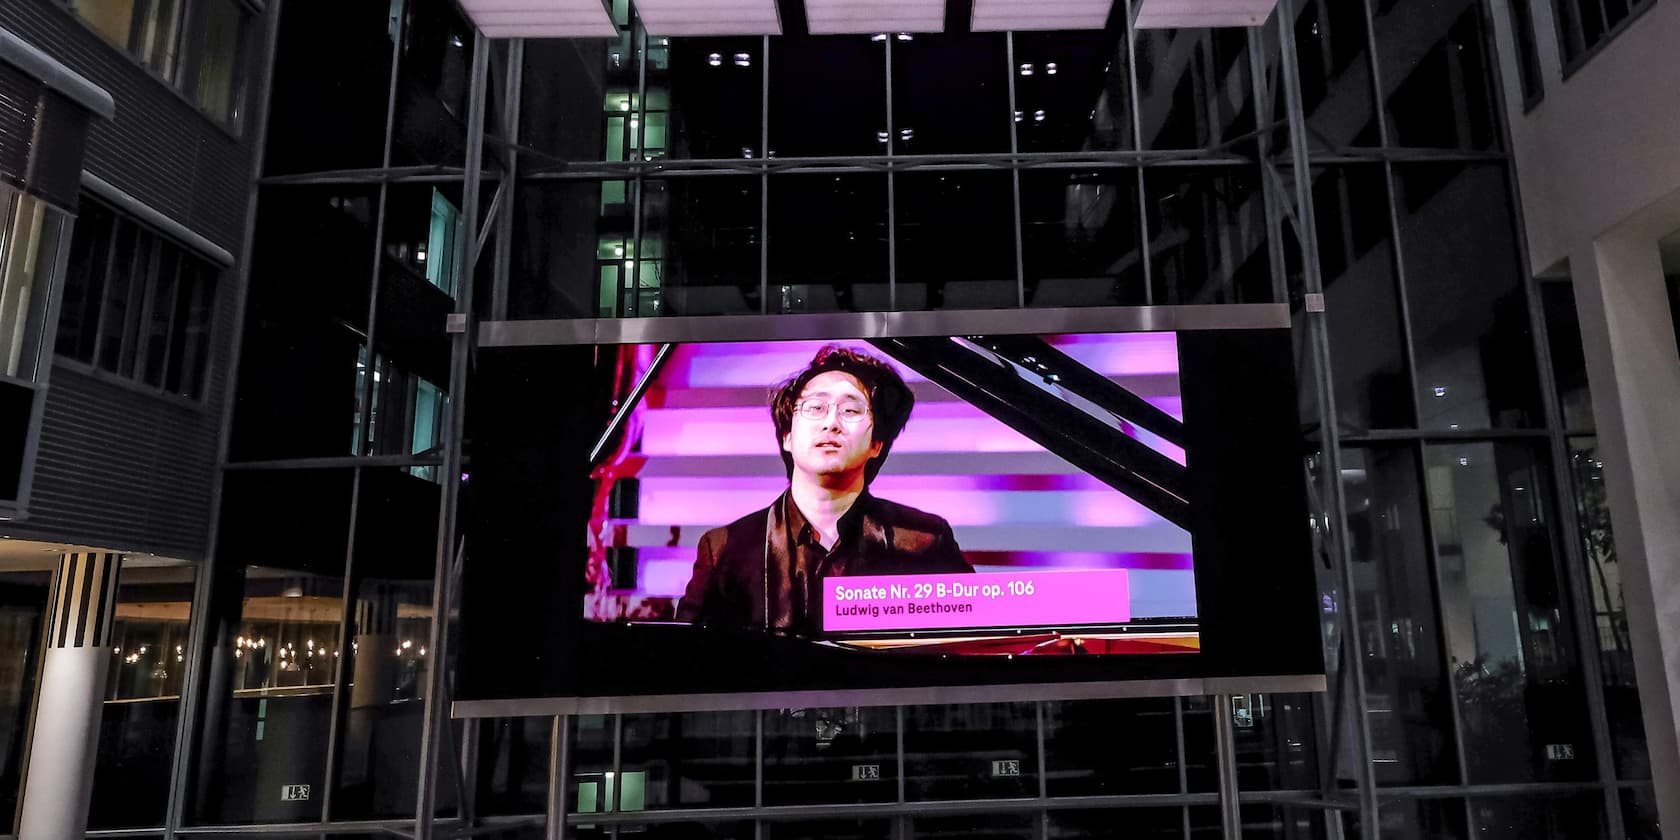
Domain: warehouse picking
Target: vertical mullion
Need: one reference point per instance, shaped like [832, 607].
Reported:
[1043, 828]
[1183, 771]
[341, 663]
[1015, 171]
[764, 202]
[892, 209]
[1144, 242]
[630, 299]
[101, 316]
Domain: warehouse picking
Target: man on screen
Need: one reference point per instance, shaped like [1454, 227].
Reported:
[835, 421]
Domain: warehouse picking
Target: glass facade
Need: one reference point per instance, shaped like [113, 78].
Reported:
[1479, 620]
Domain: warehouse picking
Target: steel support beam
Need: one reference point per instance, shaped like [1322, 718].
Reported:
[435, 726]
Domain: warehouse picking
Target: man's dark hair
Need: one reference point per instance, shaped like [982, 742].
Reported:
[890, 400]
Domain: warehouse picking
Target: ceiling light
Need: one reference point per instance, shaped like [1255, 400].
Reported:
[1050, 68]
[714, 59]
[743, 60]
[1026, 69]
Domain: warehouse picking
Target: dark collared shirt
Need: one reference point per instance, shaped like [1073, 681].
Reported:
[765, 570]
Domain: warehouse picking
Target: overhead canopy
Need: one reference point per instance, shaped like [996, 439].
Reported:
[592, 18]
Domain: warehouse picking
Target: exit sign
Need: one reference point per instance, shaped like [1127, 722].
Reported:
[294, 793]
[1011, 767]
[866, 772]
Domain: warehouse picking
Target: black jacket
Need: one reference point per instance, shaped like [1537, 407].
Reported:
[764, 571]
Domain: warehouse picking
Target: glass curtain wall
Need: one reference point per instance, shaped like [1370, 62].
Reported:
[916, 171]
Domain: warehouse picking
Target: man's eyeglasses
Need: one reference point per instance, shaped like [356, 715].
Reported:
[851, 412]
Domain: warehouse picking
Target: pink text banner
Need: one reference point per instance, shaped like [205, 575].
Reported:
[1027, 598]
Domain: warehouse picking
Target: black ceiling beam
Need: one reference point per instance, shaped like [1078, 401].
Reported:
[959, 16]
[792, 15]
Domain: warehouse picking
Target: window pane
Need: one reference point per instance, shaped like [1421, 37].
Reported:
[429, 125]
[1411, 723]
[332, 66]
[1576, 817]
[828, 243]
[956, 242]
[1332, 51]
[1508, 627]
[716, 96]
[976, 751]
[23, 607]
[701, 246]
[950, 93]
[395, 552]
[1140, 823]
[142, 693]
[219, 38]
[1073, 92]
[556, 268]
[1194, 88]
[693, 760]
[1079, 238]
[1207, 236]
[274, 648]
[160, 308]
[828, 96]
[1417, 819]
[1362, 303]
[29, 251]
[975, 827]
[1615, 642]
[84, 282]
[192, 324]
[1439, 93]
[513, 766]
[1569, 362]
[831, 755]
[1470, 330]
[572, 86]
[131, 268]
[836, 829]
[1639, 814]
[1102, 747]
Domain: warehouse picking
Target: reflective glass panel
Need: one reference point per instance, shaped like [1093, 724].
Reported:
[1207, 235]
[1470, 334]
[1569, 362]
[692, 760]
[24, 594]
[1333, 55]
[1361, 301]
[1194, 88]
[559, 269]
[1073, 92]
[513, 766]
[971, 751]
[1569, 817]
[1118, 823]
[1615, 640]
[715, 94]
[950, 93]
[1436, 73]
[1508, 625]
[1639, 814]
[828, 96]
[956, 241]
[434, 66]
[701, 248]
[572, 87]
[835, 829]
[1080, 234]
[1098, 747]
[975, 826]
[828, 243]
[391, 626]
[274, 649]
[332, 66]
[830, 755]
[142, 693]
[1409, 715]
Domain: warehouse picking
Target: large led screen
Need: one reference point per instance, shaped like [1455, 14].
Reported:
[733, 521]
[959, 496]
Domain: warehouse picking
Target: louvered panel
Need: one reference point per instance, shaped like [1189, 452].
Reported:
[19, 95]
[123, 466]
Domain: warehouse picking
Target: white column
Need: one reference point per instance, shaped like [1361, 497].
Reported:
[65, 741]
[1628, 335]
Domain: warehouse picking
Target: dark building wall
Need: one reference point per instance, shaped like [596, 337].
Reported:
[117, 464]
